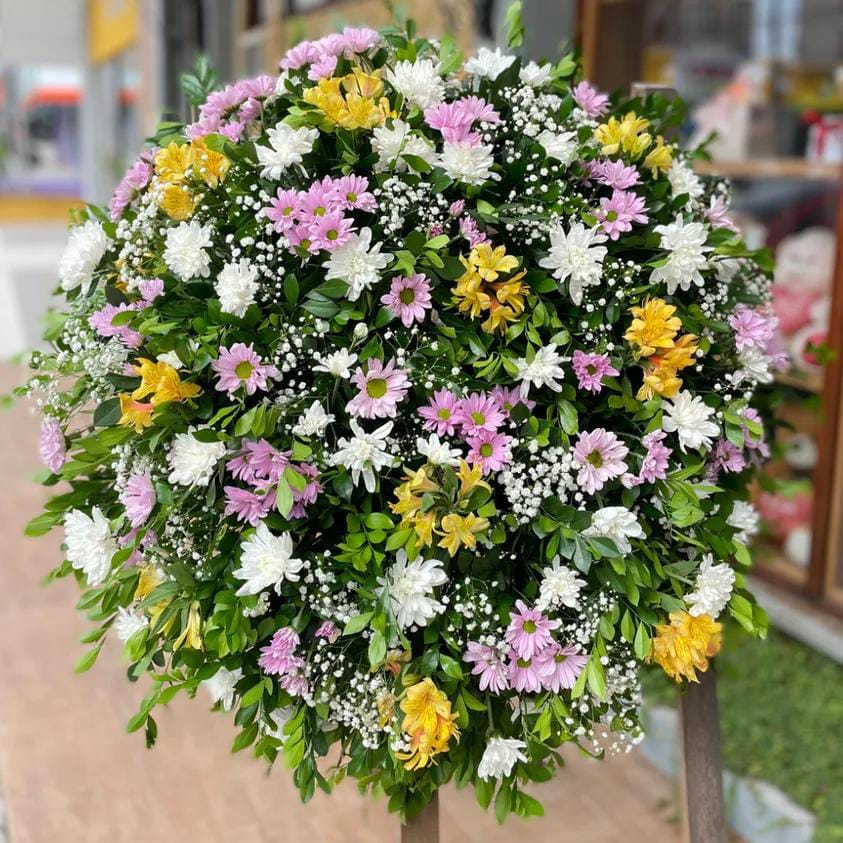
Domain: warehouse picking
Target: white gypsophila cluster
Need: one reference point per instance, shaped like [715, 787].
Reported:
[397, 199]
[193, 462]
[712, 588]
[85, 248]
[84, 350]
[547, 473]
[318, 589]
[90, 544]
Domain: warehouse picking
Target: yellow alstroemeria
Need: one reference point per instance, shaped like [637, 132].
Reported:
[428, 721]
[173, 161]
[191, 635]
[470, 478]
[512, 292]
[366, 85]
[498, 319]
[490, 263]
[326, 96]
[653, 326]
[662, 381]
[420, 481]
[625, 135]
[135, 414]
[471, 298]
[212, 166]
[659, 158]
[460, 531]
[149, 579]
[162, 381]
[361, 113]
[177, 201]
[408, 503]
[424, 523]
[684, 646]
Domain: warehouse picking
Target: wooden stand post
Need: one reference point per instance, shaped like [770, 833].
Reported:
[424, 827]
[702, 764]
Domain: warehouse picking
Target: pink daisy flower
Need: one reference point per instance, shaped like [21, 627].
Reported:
[615, 174]
[260, 464]
[479, 413]
[488, 665]
[616, 214]
[247, 506]
[655, 463]
[51, 445]
[239, 366]
[284, 209]
[318, 199]
[440, 414]
[322, 68]
[558, 667]
[491, 451]
[351, 193]
[509, 398]
[590, 100]
[753, 329]
[298, 236]
[600, 456]
[138, 497]
[408, 298]
[330, 231]
[358, 39]
[529, 631]
[524, 675]
[150, 289]
[381, 388]
[590, 369]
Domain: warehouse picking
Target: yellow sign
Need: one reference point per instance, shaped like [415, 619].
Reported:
[112, 28]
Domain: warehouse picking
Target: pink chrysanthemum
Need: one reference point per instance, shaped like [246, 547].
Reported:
[718, 214]
[509, 398]
[358, 39]
[322, 68]
[471, 232]
[138, 497]
[590, 369]
[351, 193]
[102, 322]
[558, 667]
[247, 506]
[529, 631]
[457, 207]
[753, 328]
[278, 656]
[135, 179]
[725, 456]
[479, 413]
[753, 441]
[303, 498]
[655, 463]
[260, 464]
[241, 366]
[489, 666]
[615, 174]
[440, 414]
[330, 231]
[303, 53]
[327, 629]
[51, 445]
[491, 451]
[381, 388]
[284, 209]
[616, 214]
[600, 456]
[524, 675]
[590, 100]
[408, 298]
[151, 289]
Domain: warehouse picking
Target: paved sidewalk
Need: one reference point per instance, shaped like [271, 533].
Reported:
[71, 773]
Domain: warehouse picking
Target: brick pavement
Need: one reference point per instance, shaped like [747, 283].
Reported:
[71, 773]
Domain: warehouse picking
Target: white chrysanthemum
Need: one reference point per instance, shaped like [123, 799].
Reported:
[499, 757]
[287, 146]
[185, 252]
[685, 243]
[745, 519]
[683, 180]
[266, 561]
[193, 462]
[576, 256]
[85, 247]
[90, 544]
[535, 75]
[617, 524]
[418, 82]
[128, 622]
[236, 286]
[560, 586]
[410, 586]
[364, 453]
[220, 686]
[688, 417]
[756, 366]
[313, 421]
[712, 588]
[559, 145]
[489, 63]
[358, 263]
[466, 162]
[438, 452]
[170, 358]
[542, 370]
[391, 144]
[337, 363]
[280, 717]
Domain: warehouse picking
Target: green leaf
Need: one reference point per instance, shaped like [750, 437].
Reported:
[378, 521]
[417, 163]
[377, 648]
[641, 644]
[450, 666]
[245, 738]
[514, 25]
[297, 481]
[87, 661]
[357, 623]
[284, 497]
[108, 413]
[253, 695]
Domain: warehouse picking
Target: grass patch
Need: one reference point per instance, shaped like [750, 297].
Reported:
[781, 714]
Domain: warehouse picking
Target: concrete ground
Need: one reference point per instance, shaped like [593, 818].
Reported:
[71, 773]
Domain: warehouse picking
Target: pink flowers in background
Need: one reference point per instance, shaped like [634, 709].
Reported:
[240, 366]
[616, 214]
[136, 178]
[409, 298]
[654, 465]
[559, 667]
[351, 41]
[278, 658]
[529, 631]
[591, 368]
[455, 120]
[51, 445]
[614, 174]
[138, 497]
[315, 219]
[440, 413]
[488, 665]
[381, 388]
[753, 328]
[600, 455]
[491, 451]
[590, 100]
[479, 413]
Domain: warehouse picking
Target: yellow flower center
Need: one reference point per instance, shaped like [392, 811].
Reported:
[244, 370]
[444, 414]
[595, 458]
[407, 296]
[486, 450]
[376, 388]
[478, 418]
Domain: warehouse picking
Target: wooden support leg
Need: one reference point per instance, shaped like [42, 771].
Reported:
[424, 827]
[704, 814]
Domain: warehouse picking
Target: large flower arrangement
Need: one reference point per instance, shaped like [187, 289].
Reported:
[409, 405]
